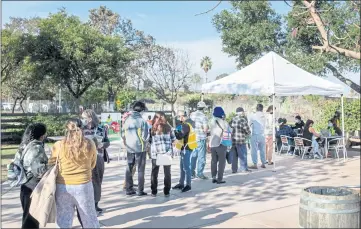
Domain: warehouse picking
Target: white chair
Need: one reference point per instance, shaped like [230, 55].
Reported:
[300, 146]
[285, 144]
[337, 147]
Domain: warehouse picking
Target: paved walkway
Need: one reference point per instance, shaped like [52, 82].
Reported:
[263, 199]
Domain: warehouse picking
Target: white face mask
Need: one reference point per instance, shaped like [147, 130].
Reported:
[84, 122]
[330, 124]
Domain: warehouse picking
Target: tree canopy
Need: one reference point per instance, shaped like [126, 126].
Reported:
[319, 36]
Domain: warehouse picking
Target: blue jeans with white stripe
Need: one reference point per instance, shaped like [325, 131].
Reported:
[199, 158]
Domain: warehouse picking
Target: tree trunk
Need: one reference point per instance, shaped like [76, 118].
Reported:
[111, 98]
[348, 82]
[21, 104]
[13, 109]
[173, 115]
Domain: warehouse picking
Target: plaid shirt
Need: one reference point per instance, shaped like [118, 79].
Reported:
[241, 129]
[285, 130]
[162, 144]
[200, 122]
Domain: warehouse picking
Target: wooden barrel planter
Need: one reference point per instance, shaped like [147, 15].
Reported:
[329, 207]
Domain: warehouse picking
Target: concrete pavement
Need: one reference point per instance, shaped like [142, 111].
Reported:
[262, 199]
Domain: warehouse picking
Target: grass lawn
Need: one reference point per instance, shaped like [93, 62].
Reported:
[7, 154]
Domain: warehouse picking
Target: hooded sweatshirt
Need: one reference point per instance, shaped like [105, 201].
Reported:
[135, 132]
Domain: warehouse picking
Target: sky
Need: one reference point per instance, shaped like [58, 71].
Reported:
[171, 23]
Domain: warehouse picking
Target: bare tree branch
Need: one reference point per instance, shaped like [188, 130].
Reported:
[327, 47]
[210, 9]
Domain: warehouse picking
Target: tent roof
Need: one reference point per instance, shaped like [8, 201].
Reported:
[272, 74]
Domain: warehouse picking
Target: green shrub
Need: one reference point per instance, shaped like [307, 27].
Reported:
[230, 117]
[352, 114]
[55, 123]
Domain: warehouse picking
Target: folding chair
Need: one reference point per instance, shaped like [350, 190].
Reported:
[337, 147]
[285, 144]
[300, 146]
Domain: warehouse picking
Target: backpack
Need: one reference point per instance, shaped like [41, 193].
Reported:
[192, 140]
[16, 173]
[226, 138]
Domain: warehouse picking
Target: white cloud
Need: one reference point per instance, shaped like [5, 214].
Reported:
[211, 47]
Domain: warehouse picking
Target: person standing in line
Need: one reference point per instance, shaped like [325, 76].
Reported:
[269, 134]
[218, 151]
[35, 163]
[240, 133]
[182, 134]
[162, 143]
[98, 133]
[201, 128]
[258, 142]
[77, 157]
[124, 117]
[135, 137]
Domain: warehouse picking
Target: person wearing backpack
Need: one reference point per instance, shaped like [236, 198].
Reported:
[135, 134]
[201, 128]
[34, 161]
[186, 143]
[219, 129]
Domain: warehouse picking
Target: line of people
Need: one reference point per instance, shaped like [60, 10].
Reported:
[82, 153]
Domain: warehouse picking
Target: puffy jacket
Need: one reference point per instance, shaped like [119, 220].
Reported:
[136, 133]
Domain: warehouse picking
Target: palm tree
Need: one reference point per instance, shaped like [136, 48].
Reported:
[206, 65]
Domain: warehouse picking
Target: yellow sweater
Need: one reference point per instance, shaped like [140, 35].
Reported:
[74, 173]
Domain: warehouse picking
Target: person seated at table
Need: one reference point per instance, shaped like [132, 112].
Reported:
[285, 130]
[310, 133]
[333, 128]
[299, 123]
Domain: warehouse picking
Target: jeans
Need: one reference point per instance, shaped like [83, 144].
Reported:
[28, 220]
[258, 142]
[185, 168]
[140, 159]
[154, 178]
[218, 162]
[315, 145]
[239, 151]
[199, 154]
[81, 196]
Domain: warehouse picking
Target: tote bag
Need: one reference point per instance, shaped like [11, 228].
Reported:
[163, 159]
[42, 206]
[226, 136]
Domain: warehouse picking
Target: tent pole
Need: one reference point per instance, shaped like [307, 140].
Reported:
[273, 134]
[343, 129]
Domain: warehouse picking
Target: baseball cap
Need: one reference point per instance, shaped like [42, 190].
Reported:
[239, 109]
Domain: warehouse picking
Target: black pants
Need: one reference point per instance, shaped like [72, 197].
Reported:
[154, 178]
[139, 159]
[28, 220]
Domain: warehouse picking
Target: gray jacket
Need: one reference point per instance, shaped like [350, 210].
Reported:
[35, 160]
[136, 133]
[216, 131]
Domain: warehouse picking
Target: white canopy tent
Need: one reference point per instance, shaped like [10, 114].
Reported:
[272, 75]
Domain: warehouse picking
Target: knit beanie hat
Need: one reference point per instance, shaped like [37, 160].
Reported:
[218, 112]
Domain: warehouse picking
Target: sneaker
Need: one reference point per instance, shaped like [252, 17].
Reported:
[263, 166]
[167, 195]
[290, 153]
[270, 163]
[202, 177]
[142, 194]
[221, 182]
[154, 195]
[178, 186]
[253, 167]
[194, 175]
[246, 171]
[234, 172]
[214, 181]
[186, 188]
[131, 193]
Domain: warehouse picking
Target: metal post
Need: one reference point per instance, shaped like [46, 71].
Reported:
[60, 107]
[273, 117]
[343, 129]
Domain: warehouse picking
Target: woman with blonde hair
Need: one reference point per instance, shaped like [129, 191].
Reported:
[98, 133]
[77, 157]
